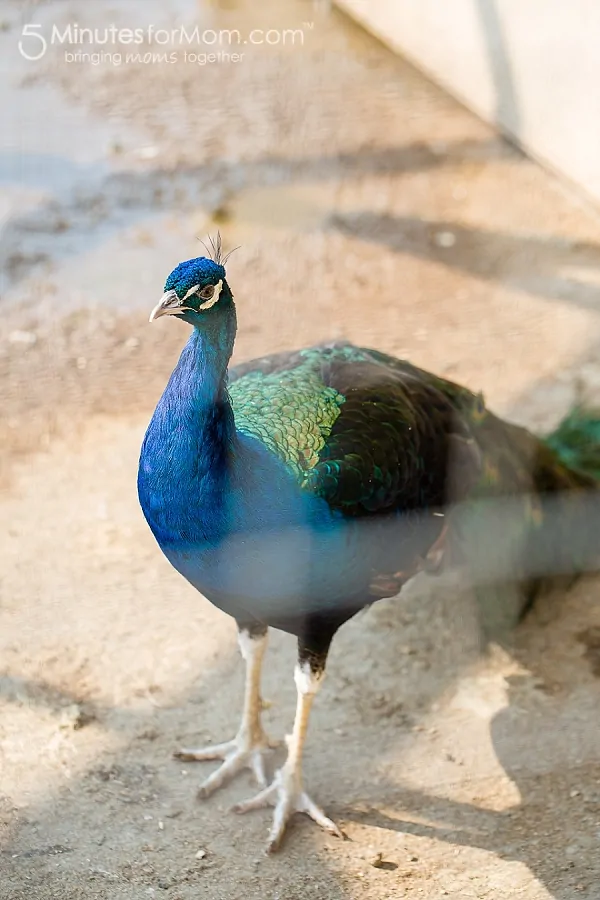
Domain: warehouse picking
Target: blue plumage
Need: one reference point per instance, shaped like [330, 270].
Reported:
[250, 502]
[193, 271]
[299, 488]
[263, 506]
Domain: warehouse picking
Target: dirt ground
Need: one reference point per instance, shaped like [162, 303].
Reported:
[369, 205]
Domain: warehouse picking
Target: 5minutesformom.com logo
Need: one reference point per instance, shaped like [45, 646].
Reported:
[36, 45]
[33, 44]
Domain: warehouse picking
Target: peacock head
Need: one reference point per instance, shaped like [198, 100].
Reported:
[195, 288]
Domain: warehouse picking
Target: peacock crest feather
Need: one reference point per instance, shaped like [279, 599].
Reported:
[214, 249]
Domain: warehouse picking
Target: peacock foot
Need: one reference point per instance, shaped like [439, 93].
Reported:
[243, 752]
[288, 797]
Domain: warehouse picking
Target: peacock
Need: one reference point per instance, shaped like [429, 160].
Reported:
[297, 489]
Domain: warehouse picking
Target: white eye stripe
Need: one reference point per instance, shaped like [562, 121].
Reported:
[214, 297]
[191, 291]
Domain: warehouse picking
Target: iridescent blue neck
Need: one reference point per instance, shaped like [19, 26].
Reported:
[207, 353]
[197, 389]
[186, 454]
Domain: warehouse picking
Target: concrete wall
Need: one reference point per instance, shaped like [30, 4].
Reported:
[531, 66]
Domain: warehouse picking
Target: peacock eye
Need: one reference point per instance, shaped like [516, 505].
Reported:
[207, 292]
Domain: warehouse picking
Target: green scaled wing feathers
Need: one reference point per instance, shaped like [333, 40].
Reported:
[361, 430]
[291, 411]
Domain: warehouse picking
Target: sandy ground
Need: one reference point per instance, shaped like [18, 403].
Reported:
[369, 205]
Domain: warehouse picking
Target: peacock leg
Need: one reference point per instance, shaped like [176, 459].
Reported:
[248, 748]
[286, 793]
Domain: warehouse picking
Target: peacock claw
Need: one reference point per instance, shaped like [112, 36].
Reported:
[240, 753]
[285, 793]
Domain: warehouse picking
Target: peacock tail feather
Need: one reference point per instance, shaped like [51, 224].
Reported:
[576, 441]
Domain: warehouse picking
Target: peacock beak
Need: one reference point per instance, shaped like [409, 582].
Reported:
[168, 305]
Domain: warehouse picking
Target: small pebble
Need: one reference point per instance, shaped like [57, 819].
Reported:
[148, 152]
[75, 717]
[27, 338]
[378, 862]
[439, 148]
[201, 854]
[445, 239]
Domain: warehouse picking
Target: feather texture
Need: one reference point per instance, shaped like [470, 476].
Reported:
[297, 489]
[309, 484]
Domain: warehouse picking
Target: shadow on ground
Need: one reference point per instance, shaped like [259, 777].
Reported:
[546, 266]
